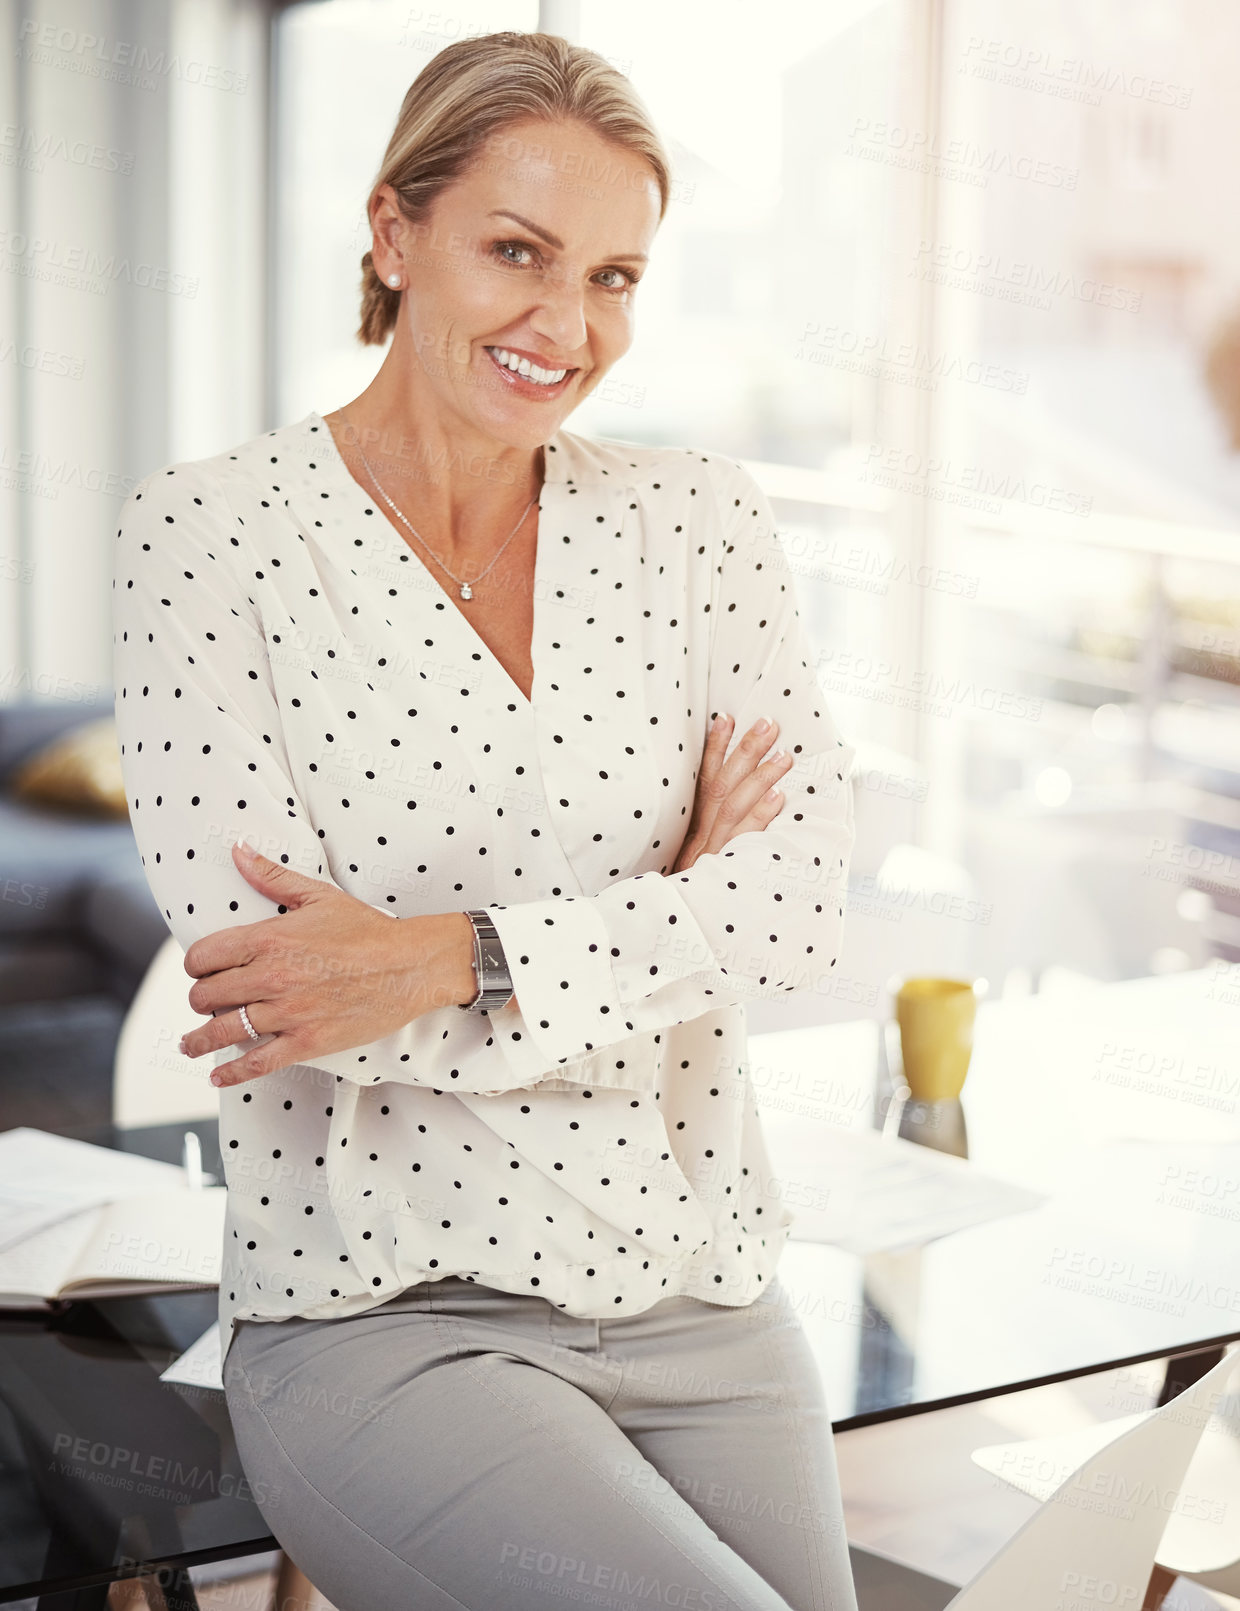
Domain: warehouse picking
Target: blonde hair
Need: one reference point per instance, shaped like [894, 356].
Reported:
[468, 94]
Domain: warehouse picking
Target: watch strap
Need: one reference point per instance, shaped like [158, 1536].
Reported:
[490, 964]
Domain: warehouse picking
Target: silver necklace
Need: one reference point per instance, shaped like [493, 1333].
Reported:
[467, 591]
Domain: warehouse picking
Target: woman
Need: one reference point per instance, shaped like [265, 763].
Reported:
[499, 1294]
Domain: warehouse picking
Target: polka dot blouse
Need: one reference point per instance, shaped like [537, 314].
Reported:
[285, 663]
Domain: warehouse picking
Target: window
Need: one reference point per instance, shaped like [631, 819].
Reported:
[954, 279]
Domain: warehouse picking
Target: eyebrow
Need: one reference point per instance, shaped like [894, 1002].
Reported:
[554, 240]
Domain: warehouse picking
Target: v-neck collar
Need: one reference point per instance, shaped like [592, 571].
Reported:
[590, 585]
[555, 474]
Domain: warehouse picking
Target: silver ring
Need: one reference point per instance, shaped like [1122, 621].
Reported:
[249, 1027]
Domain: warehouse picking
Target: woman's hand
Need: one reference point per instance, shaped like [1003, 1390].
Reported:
[734, 796]
[327, 974]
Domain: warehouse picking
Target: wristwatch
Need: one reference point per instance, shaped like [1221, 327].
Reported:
[490, 965]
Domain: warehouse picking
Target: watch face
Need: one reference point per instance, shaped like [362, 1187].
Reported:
[493, 958]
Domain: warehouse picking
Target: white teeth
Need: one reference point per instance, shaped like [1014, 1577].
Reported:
[529, 371]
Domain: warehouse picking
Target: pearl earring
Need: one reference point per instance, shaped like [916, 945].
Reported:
[394, 281]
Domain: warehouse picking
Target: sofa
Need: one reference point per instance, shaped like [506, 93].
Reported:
[78, 929]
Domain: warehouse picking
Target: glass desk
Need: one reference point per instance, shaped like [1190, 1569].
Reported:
[1122, 1105]
[103, 1467]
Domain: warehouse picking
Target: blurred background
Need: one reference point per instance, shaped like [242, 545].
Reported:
[957, 280]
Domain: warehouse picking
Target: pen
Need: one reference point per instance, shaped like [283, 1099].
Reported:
[191, 1160]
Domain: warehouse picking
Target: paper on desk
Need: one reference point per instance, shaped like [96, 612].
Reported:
[202, 1364]
[45, 1178]
[865, 1194]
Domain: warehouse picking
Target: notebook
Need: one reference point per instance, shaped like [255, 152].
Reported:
[45, 1177]
[160, 1241]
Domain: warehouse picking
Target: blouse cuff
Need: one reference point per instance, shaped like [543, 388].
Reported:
[579, 964]
[636, 1068]
[558, 954]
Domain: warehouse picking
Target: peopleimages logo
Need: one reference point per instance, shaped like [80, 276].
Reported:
[85, 268]
[118, 61]
[955, 482]
[21, 146]
[870, 569]
[886, 682]
[955, 158]
[961, 268]
[902, 362]
[1067, 77]
[51, 475]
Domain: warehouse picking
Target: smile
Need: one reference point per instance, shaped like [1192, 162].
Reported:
[522, 373]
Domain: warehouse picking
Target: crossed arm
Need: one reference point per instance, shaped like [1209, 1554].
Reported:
[383, 975]
[328, 979]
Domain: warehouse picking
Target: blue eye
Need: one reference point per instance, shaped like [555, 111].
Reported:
[627, 280]
[515, 246]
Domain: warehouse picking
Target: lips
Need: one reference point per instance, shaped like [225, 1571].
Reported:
[525, 386]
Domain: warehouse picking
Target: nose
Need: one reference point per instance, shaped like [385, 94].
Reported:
[560, 314]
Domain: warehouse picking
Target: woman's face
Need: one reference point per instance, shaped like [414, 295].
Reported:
[532, 254]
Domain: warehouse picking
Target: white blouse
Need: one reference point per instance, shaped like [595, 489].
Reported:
[285, 663]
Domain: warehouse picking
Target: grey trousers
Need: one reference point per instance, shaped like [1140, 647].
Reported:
[458, 1448]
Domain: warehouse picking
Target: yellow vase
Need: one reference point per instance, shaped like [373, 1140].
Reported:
[936, 1019]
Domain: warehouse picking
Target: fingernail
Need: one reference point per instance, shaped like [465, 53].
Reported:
[761, 725]
[247, 843]
[217, 1079]
[182, 1048]
[778, 755]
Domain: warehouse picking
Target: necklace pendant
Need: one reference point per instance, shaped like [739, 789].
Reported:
[467, 592]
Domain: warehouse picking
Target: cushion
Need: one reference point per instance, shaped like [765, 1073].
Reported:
[79, 771]
[27, 725]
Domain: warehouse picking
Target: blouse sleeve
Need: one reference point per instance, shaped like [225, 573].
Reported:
[203, 758]
[762, 918]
